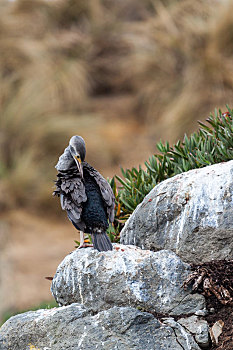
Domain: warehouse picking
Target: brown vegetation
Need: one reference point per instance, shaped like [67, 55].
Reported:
[129, 72]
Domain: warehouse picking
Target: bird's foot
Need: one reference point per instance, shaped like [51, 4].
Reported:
[85, 245]
[84, 242]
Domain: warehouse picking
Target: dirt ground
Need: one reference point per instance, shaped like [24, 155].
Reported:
[224, 313]
[31, 249]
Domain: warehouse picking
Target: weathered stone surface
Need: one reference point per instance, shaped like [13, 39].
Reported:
[75, 328]
[198, 328]
[126, 276]
[180, 332]
[216, 330]
[190, 214]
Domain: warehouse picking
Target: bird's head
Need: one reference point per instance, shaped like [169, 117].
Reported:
[78, 151]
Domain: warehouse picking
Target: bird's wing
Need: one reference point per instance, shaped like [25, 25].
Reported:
[105, 189]
[65, 161]
[71, 190]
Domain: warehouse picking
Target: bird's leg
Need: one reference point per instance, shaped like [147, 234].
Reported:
[81, 238]
[83, 244]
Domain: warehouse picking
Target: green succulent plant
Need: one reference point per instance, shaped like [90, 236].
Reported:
[212, 143]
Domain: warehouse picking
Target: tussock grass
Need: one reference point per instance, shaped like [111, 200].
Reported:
[181, 67]
[173, 58]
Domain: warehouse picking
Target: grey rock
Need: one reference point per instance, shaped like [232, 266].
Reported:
[190, 302]
[203, 312]
[198, 328]
[185, 338]
[126, 276]
[190, 214]
[76, 328]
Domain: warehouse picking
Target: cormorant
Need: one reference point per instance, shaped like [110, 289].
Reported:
[85, 195]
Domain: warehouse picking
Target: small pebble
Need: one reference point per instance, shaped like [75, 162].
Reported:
[203, 312]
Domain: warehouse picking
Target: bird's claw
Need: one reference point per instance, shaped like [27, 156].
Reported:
[85, 245]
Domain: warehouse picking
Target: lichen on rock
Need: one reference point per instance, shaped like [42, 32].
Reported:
[190, 214]
[126, 276]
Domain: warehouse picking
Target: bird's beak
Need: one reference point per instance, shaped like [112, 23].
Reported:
[79, 165]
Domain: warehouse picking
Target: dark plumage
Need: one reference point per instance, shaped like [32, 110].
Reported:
[85, 195]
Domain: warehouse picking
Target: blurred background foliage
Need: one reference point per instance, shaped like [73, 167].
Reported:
[123, 74]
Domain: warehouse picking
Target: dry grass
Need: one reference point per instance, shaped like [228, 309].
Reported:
[182, 67]
[173, 59]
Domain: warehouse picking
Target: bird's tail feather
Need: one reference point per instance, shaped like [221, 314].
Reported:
[101, 241]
